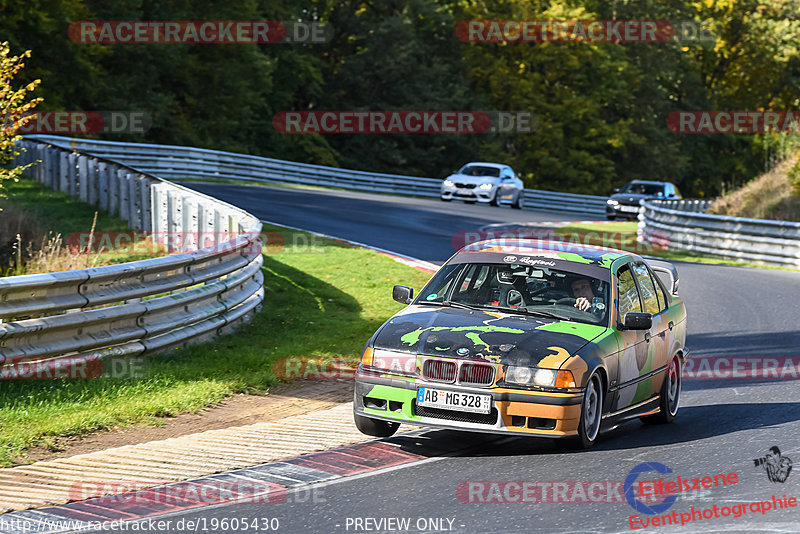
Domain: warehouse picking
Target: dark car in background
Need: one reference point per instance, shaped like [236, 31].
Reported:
[625, 202]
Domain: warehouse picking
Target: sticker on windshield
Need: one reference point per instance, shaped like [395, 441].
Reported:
[432, 296]
[524, 260]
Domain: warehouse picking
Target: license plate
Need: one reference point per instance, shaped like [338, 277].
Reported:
[454, 400]
[629, 209]
[465, 192]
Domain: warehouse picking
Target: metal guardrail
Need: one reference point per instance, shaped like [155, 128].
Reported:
[186, 163]
[132, 308]
[678, 225]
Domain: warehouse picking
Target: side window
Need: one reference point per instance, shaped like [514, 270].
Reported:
[507, 173]
[628, 294]
[647, 288]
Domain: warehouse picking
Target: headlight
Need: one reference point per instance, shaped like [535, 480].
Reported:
[534, 376]
[402, 363]
[449, 183]
[486, 187]
[612, 202]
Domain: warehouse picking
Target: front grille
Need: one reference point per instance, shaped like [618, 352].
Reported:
[441, 370]
[466, 186]
[475, 374]
[460, 417]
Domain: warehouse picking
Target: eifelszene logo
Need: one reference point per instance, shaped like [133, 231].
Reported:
[777, 466]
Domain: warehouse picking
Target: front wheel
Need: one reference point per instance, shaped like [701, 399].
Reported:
[494, 201]
[375, 427]
[670, 395]
[591, 413]
[520, 202]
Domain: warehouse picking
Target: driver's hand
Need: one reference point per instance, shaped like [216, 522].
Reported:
[582, 303]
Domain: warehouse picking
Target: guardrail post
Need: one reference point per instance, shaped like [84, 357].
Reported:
[83, 185]
[102, 184]
[113, 190]
[92, 182]
[188, 238]
[124, 195]
[145, 201]
[72, 176]
[159, 211]
[62, 168]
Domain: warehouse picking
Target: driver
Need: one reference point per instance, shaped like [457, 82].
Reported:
[582, 293]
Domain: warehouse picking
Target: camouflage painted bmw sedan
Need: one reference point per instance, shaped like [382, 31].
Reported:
[533, 338]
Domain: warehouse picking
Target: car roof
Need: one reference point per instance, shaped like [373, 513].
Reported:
[648, 182]
[558, 250]
[486, 164]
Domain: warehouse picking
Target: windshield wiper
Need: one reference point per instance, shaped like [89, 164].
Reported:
[450, 304]
[526, 311]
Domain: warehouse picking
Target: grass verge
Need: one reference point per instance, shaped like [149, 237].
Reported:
[45, 221]
[324, 299]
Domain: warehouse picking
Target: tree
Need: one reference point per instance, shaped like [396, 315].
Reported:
[15, 110]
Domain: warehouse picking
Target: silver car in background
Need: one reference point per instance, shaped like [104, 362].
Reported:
[488, 183]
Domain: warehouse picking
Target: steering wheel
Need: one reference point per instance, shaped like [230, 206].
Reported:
[566, 301]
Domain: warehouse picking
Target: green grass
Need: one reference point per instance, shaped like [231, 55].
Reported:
[58, 211]
[622, 235]
[322, 300]
[38, 214]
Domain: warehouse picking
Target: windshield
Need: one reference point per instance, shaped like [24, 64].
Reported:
[520, 288]
[480, 170]
[643, 189]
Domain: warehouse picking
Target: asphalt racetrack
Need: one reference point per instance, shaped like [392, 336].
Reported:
[484, 483]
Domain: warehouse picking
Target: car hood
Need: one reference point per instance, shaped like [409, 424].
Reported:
[497, 337]
[469, 179]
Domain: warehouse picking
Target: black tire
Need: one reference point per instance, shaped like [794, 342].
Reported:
[670, 399]
[519, 203]
[375, 427]
[611, 217]
[494, 202]
[591, 413]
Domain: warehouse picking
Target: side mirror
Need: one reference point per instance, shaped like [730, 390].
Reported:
[616, 190]
[403, 294]
[637, 321]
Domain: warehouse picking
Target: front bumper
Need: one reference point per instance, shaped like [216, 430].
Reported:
[459, 193]
[519, 412]
[623, 210]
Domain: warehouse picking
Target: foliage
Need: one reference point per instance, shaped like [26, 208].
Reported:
[600, 108]
[15, 110]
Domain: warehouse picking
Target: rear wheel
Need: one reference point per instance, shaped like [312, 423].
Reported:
[591, 413]
[670, 395]
[375, 427]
